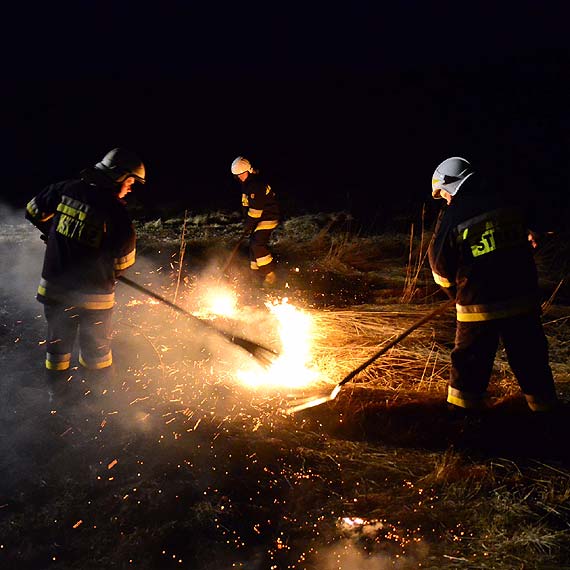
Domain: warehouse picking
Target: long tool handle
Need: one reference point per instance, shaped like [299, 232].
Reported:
[396, 340]
[232, 256]
[257, 350]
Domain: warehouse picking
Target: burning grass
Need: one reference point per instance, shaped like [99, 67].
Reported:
[349, 337]
[179, 462]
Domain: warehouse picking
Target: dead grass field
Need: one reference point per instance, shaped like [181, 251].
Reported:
[170, 463]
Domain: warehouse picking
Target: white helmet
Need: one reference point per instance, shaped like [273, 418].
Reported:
[241, 165]
[450, 175]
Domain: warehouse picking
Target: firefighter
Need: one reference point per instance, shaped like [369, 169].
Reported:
[481, 255]
[90, 241]
[261, 214]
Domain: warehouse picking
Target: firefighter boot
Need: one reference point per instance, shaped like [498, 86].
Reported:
[101, 382]
[58, 384]
[270, 280]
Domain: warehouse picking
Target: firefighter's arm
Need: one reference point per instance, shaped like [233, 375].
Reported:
[451, 292]
[44, 227]
[41, 209]
[447, 286]
[255, 211]
[40, 212]
[244, 205]
[123, 243]
[442, 260]
[126, 257]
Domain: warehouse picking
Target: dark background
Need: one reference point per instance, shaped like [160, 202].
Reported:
[347, 107]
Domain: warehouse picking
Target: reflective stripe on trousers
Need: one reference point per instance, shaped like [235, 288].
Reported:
[467, 400]
[93, 329]
[260, 256]
[474, 353]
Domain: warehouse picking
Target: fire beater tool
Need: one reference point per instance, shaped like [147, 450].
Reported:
[232, 255]
[262, 354]
[313, 401]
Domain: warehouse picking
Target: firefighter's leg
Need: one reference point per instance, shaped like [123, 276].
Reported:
[62, 327]
[61, 387]
[95, 339]
[263, 256]
[527, 352]
[251, 251]
[472, 363]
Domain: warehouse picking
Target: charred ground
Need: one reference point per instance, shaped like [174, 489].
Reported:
[168, 463]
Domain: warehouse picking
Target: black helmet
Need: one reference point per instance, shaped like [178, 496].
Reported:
[119, 163]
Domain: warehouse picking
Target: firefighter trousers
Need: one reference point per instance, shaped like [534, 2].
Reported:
[93, 327]
[474, 353]
[260, 256]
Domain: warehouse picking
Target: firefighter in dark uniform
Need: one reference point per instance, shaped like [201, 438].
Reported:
[261, 213]
[90, 241]
[481, 255]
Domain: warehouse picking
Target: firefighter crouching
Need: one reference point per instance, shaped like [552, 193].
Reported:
[261, 213]
[90, 240]
[481, 256]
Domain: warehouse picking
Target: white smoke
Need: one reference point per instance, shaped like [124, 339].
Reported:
[347, 555]
[21, 251]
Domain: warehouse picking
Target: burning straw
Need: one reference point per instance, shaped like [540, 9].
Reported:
[316, 350]
[346, 338]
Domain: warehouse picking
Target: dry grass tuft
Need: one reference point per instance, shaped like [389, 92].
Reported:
[343, 339]
[451, 470]
[416, 261]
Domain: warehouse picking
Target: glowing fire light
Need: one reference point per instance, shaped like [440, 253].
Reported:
[357, 524]
[353, 521]
[291, 368]
[219, 302]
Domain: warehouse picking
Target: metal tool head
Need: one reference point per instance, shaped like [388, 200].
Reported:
[312, 401]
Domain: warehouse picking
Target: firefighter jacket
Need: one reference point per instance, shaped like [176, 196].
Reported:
[259, 205]
[90, 240]
[480, 252]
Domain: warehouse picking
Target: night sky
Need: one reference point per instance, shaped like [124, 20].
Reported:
[341, 108]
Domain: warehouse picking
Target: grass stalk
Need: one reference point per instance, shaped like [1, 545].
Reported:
[181, 254]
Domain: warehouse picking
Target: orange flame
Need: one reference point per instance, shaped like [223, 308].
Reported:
[291, 369]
